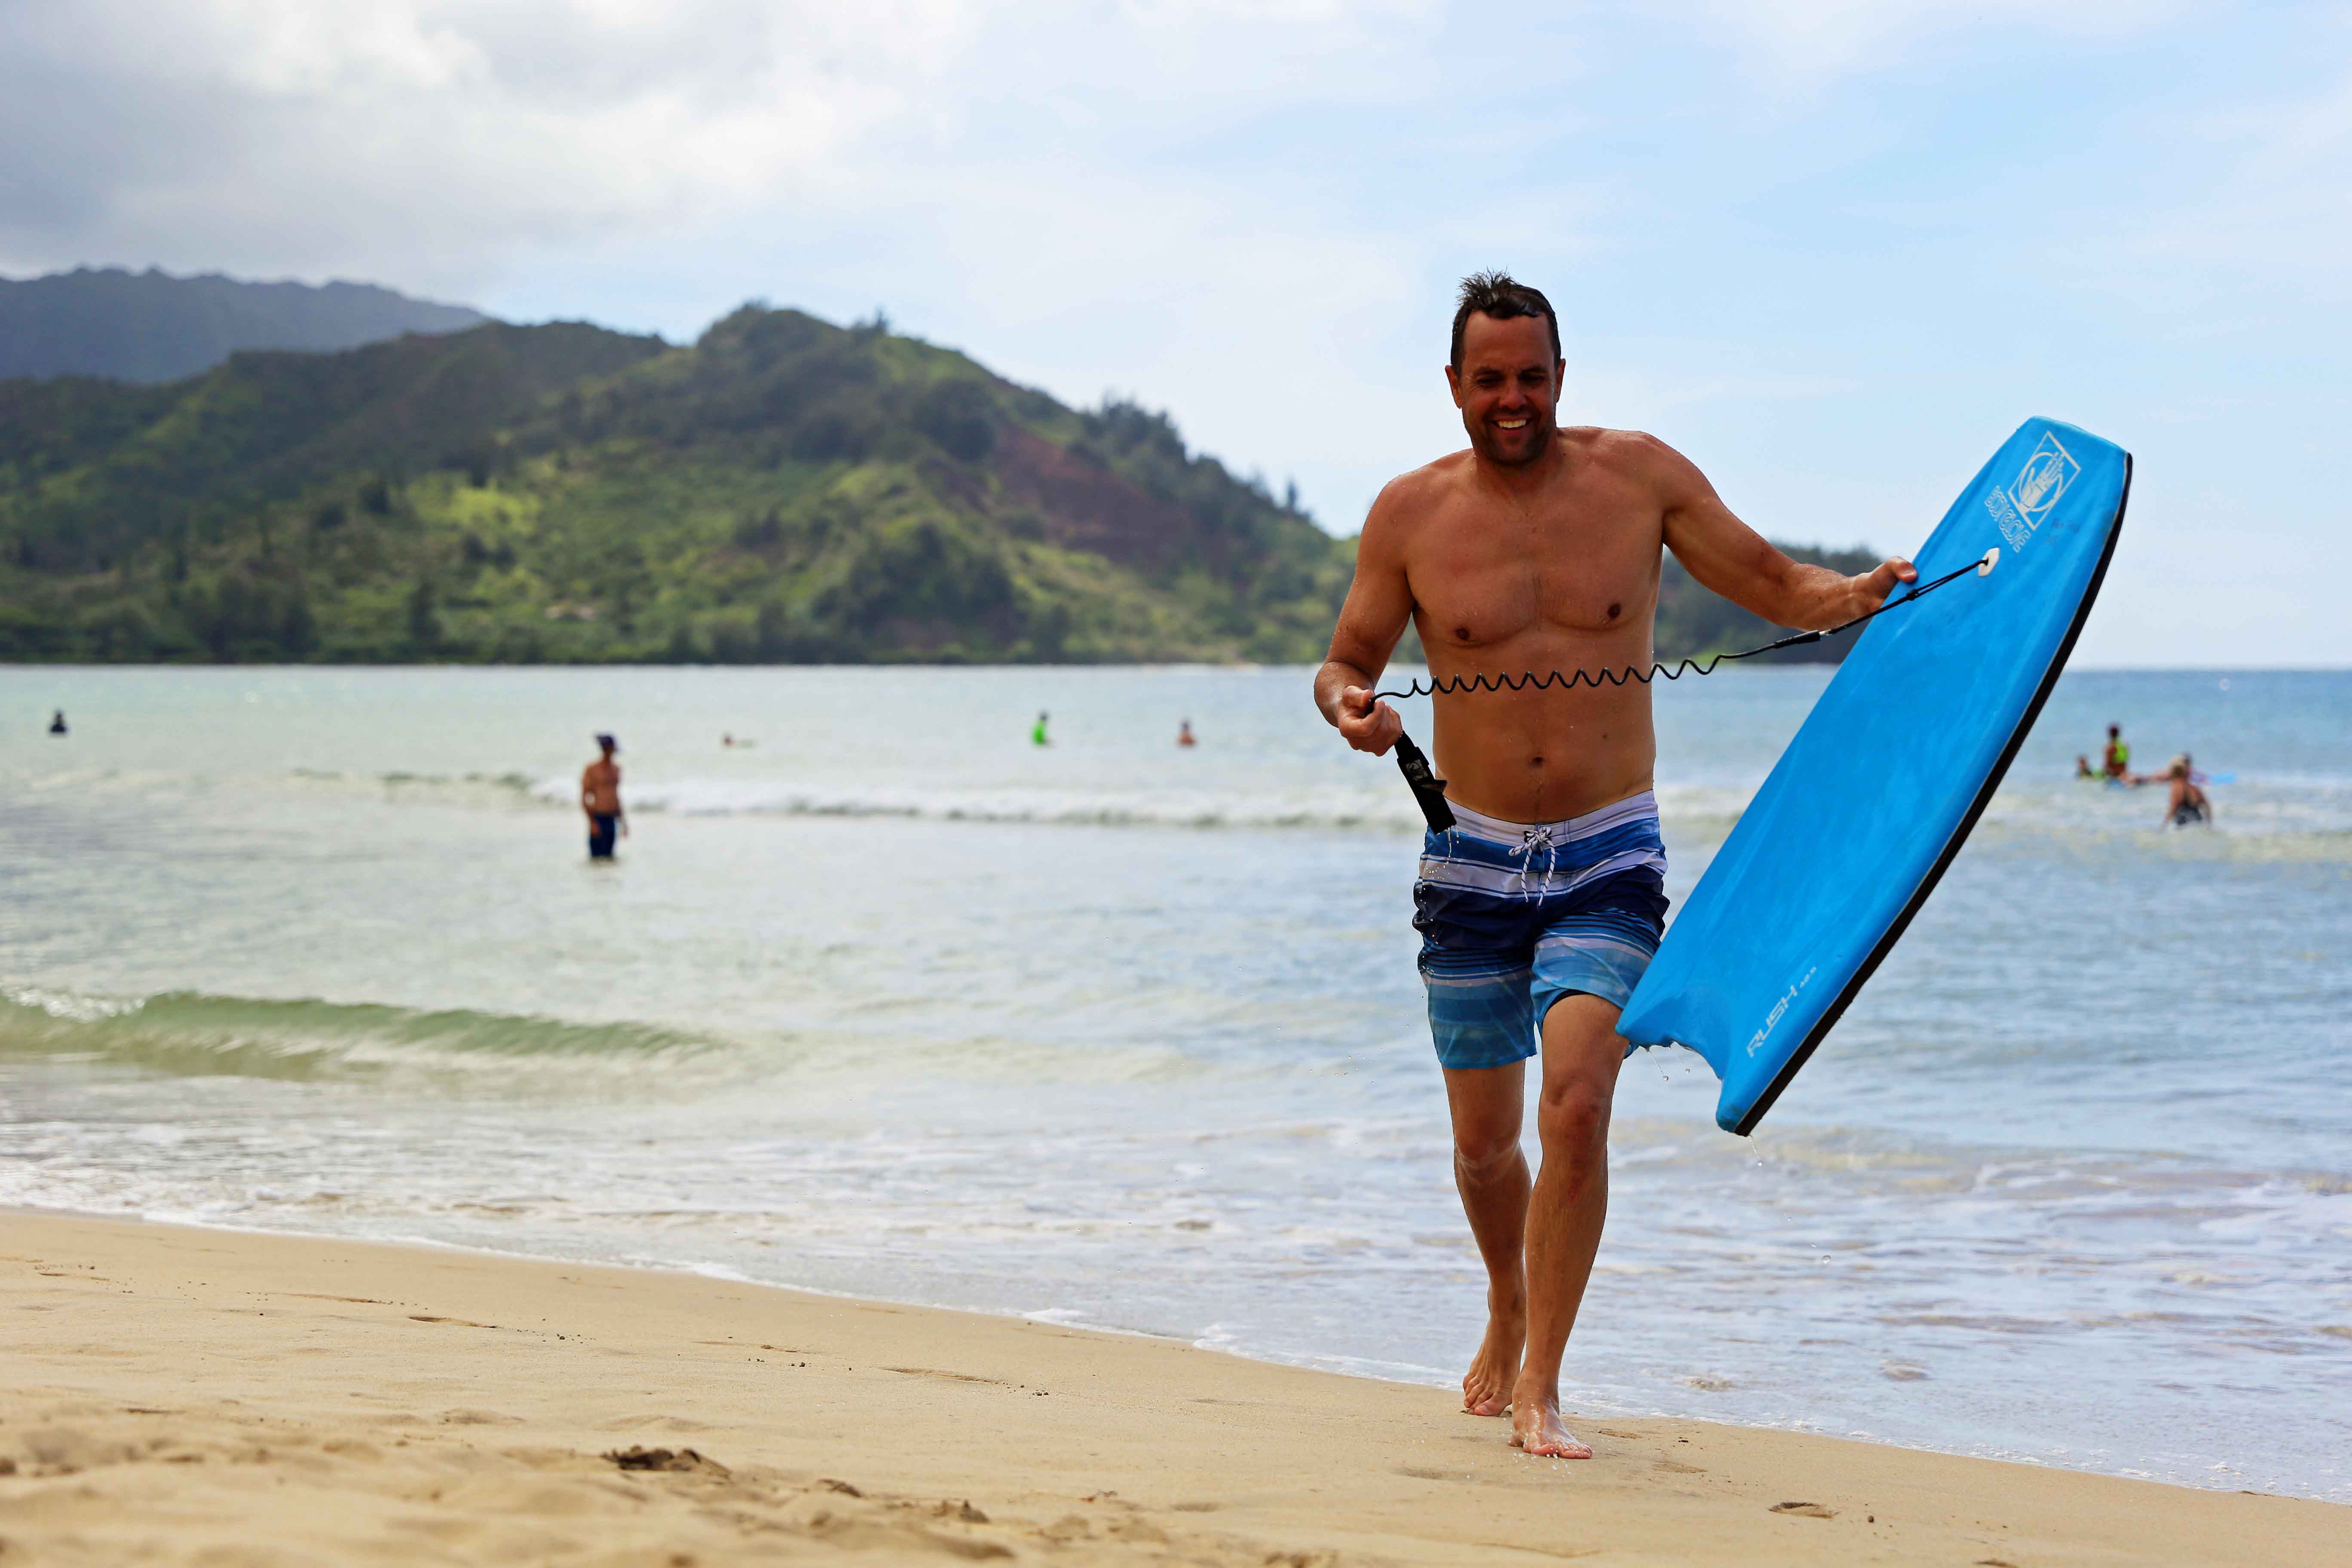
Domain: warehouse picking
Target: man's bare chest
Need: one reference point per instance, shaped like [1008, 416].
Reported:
[1483, 575]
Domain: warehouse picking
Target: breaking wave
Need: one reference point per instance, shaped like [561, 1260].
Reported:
[190, 1033]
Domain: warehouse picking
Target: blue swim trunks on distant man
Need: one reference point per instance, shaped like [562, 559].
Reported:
[1514, 916]
[600, 799]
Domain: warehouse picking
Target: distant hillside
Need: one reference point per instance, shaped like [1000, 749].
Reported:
[785, 490]
[152, 327]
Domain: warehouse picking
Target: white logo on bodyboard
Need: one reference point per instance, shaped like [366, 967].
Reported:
[2026, 504]
[2044, 480]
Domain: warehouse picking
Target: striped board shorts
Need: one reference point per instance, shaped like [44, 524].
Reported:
[1514, 916]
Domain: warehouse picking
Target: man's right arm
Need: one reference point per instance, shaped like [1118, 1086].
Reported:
[1379, 606]
[1727, 557]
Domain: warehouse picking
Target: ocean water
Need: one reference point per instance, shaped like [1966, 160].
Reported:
[890, 1002]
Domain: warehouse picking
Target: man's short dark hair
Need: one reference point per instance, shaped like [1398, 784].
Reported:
[1497, 294]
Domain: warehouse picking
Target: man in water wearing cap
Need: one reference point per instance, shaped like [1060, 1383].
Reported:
[600, 797]
[1539, 549]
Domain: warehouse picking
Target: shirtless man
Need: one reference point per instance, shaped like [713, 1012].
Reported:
[2187, 804]
[600, 797]
[1538, 549]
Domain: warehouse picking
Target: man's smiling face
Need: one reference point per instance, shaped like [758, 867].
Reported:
[1507, 387]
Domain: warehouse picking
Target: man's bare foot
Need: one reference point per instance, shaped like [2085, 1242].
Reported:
[1486, 1386]
[1537, 1427]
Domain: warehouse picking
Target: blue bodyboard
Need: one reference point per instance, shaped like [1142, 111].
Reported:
[1879, 789]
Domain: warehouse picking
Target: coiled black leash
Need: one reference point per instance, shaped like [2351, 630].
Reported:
[1429, 789]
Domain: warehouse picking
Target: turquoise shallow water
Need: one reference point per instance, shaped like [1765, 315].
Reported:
[891, 1002]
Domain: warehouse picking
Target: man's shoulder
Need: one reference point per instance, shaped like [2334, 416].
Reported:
[1629, 450]
[1413, 496]
[1431, 480]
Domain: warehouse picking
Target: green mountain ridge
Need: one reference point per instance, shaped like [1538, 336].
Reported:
[782, 490]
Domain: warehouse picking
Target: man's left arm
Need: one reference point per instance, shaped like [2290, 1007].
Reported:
[1732, 559]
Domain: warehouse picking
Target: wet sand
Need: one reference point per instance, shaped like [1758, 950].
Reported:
[181, 1396]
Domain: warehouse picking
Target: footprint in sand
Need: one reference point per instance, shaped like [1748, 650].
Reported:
[682, 1461]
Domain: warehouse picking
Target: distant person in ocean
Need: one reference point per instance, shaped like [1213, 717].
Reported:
[57, 723]
[1037, 736]
[600, 797]
[2084, 769]
[2117, 765]
[1540, 909]
[1184, 733]
[2187, 804]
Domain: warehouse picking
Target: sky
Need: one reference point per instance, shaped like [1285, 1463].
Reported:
[1834, 250]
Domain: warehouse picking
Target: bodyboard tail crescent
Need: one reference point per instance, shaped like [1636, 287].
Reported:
[1882, 784]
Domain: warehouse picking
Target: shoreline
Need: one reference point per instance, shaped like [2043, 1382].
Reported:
[184, 1390]
[1439, 1381]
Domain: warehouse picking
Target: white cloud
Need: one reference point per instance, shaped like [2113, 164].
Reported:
[430, 135]
[420, 128]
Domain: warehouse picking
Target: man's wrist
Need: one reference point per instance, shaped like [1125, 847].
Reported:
[1331, 685]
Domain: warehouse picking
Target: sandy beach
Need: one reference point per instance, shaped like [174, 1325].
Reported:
[185, 1395]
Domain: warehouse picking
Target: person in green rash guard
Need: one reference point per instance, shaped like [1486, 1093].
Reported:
[2118, 762]
[1037, 735]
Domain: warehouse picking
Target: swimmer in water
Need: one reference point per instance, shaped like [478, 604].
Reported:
[2117, 765]
[2187, 804]
[599, 798]
[57, 723]
[1037, 735]
[2084, 769]
[1184, 732]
